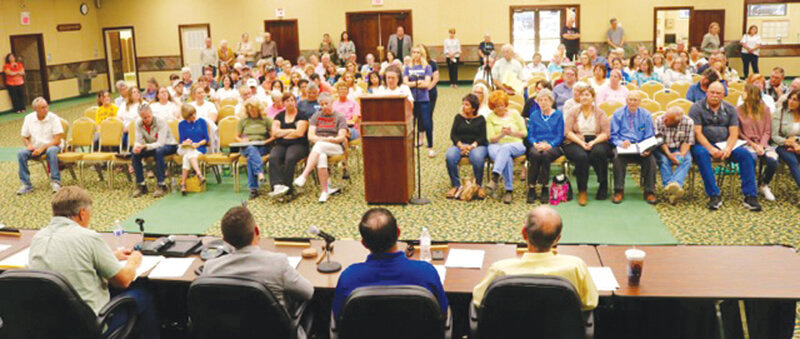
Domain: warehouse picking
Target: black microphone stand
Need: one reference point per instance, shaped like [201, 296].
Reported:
[419, 200]
[328, 266]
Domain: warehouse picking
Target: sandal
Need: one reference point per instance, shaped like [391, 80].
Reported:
[183, 190]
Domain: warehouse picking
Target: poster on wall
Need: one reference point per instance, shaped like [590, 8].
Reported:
[25, 18]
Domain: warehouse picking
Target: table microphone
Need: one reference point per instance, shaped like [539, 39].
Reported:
[315, 231]
[327, 266]
[140, 222]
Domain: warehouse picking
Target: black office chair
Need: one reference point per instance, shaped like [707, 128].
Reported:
[530, 306]
[42, 304]
[237, 307]
[394, 311]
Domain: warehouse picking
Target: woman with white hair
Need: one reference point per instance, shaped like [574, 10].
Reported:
[186, 78]
[277, 104]
[545, 135]
[482, 92]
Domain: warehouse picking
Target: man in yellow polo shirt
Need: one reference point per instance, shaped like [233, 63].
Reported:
[542, 231]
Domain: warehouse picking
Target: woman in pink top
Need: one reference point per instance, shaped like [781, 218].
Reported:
[349, 108]
[755, 127]
[277, 104]
[613, 90]
[15, 82]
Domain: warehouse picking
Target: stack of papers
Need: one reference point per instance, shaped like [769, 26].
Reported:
[148, 262]
[171, 268]
[294, 261]
[4, 247]
[460, 258]
[442, 271]
[603, 278]
[18, 260]
[723, 144]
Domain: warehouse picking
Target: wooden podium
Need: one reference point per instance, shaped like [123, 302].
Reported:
[387, 135]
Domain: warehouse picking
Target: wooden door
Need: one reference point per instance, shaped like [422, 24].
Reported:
[368, 30]
[284, 33]
[389, 23]
[700, 21]
[192, 39]
[29, 50]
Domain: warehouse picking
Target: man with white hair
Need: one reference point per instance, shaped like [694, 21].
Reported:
[677, 130]
[153, 139]
[505, 67]
[269, 48]
[41, 133]
[596, 58]
[208, 57]
[122, 89]
[630, 125]
[186, 78]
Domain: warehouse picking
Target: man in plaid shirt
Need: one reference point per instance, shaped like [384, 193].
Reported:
[677, 130]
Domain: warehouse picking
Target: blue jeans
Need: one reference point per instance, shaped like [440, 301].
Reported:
[161, 165]
[740, 156]
[52, 159]
[770, 162]
[422, 110]
[792, 161]
[254, 165]
[477, 157]
[503, 156]
[354, 134]
[678, 175]
[147, 324]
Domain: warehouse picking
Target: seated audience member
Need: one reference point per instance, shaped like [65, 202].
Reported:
[245, 94]
[586, 143]
[775, 86]
[555, 64]
[41, 133]
[254, 127]
[659, 67]
[697, 91]
[205, 109]
[374, 82]
[153, 139]
[755, 128]
[386, 265]
[646, 73]
[179, 95]
[165, 107]
[505, 130]
[794, 86]
[531, 106]
[613, 91]
[350, 109]
[310, 104]
[193, 132]
[542, 231]
[468, 135]
[186, 77]
[353, 90]
[716, 121]
[291, 145]
[129, 112]
[68, 246]
[632, 124]
[394, 84]
[226, 90]
[696, 58]
[151, 90]
[545, 135]
[277, 104]
[595, 58]
[563, 91]
[758, 81]
[105, 109]
[618, 65]
[327, 129]
[598, 78]
[122, 88]
[585, 68]
[677, 130]
[536, 65]
[369, 64]
[676, 73]
[482, 92]
[505, 66]
[239, 229]
[786, 132]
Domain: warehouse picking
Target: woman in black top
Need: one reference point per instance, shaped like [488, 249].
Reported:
[291, 145]
[469, 140]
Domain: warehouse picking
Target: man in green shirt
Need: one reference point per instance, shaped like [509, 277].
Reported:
[255, 126]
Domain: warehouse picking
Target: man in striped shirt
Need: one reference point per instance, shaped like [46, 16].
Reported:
[677, 130]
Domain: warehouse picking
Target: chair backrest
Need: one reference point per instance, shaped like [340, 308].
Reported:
[696, 78]
[225, 112]
[227, 131]
[65, 128]
[665, 96]
[535, 78]
[391, 311]
[631, 86]
[173, 126]
[651, 87]
[517, 98]
[236, 307]
[681, 87]
[514, 105]
[83, 132]
[733, 96]
[682, 103]
[642, 94]
[528, 306]
[228, 102]
[555, 76]
[650, 105]
[738, 85]
[42, 304]
[610, 107]
[362, 84]
[111, 132]
[585, 79]
[90, 112]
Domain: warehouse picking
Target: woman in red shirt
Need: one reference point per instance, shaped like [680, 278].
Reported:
[15, 82]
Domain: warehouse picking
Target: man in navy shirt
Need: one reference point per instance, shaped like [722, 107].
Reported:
[697, 91]
[311, 105]
[386, 265]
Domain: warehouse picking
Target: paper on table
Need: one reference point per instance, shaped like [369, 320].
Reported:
[294, 261]
[632, 149]
[603, 278]
[461, 258]
[148, 262]
[723, 144]
[442, 271]
[171, 268]
[4, 247]
[18, 260]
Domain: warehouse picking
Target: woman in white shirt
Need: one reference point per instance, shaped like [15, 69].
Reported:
[208, 111]
[751, 47]
[452, 51]
[227, 91]
[536, 66]
[696, 58]
[130, 110]
[676, 73]
[599, 79]
[165, 107]
[659, 67]
[394, 86]
[613, 90]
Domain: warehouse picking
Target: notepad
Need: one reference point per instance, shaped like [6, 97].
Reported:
[461, 258]
[294, 261]
[18, 260]
[603, 278]
[723, 144]
[148, 262]
[171, 268]
[442, 272]
[4, 247]
[646, 145]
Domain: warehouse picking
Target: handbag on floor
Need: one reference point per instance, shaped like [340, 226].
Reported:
[193, 185]
[560, 190]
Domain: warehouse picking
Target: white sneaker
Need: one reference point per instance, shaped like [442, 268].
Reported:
[767, 192]
[333, 190]
[300, 181]
[55, 185]
[323, 197]
[24, 189]
[431, 153]
[279, 190]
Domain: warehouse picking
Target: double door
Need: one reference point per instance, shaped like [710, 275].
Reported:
[368, 30]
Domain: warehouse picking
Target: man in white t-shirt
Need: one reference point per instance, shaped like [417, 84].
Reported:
[41, 134]
[504, 65]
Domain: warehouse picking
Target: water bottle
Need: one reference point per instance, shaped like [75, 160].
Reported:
[425, 245]
[118, 232]
[173, 185]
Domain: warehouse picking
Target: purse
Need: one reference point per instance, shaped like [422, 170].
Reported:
[193, 185]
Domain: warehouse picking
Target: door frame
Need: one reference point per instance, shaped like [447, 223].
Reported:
[180, 38]
[387, 12]
[669, 8]
[296, 24]
[105, 51]
[45, 79]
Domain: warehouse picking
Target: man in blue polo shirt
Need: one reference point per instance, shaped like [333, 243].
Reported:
[386, 265]
[697, 91]
[632, 124]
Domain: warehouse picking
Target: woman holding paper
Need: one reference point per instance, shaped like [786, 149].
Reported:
[254, 127]
[587, 132]
[755, 127]
[786, 132]
[193, 132]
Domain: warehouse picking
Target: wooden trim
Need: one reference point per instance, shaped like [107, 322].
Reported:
[512, 9]
[43, 73]
[655, 21]
[76, 62]
[105, 51]
[180, 37]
